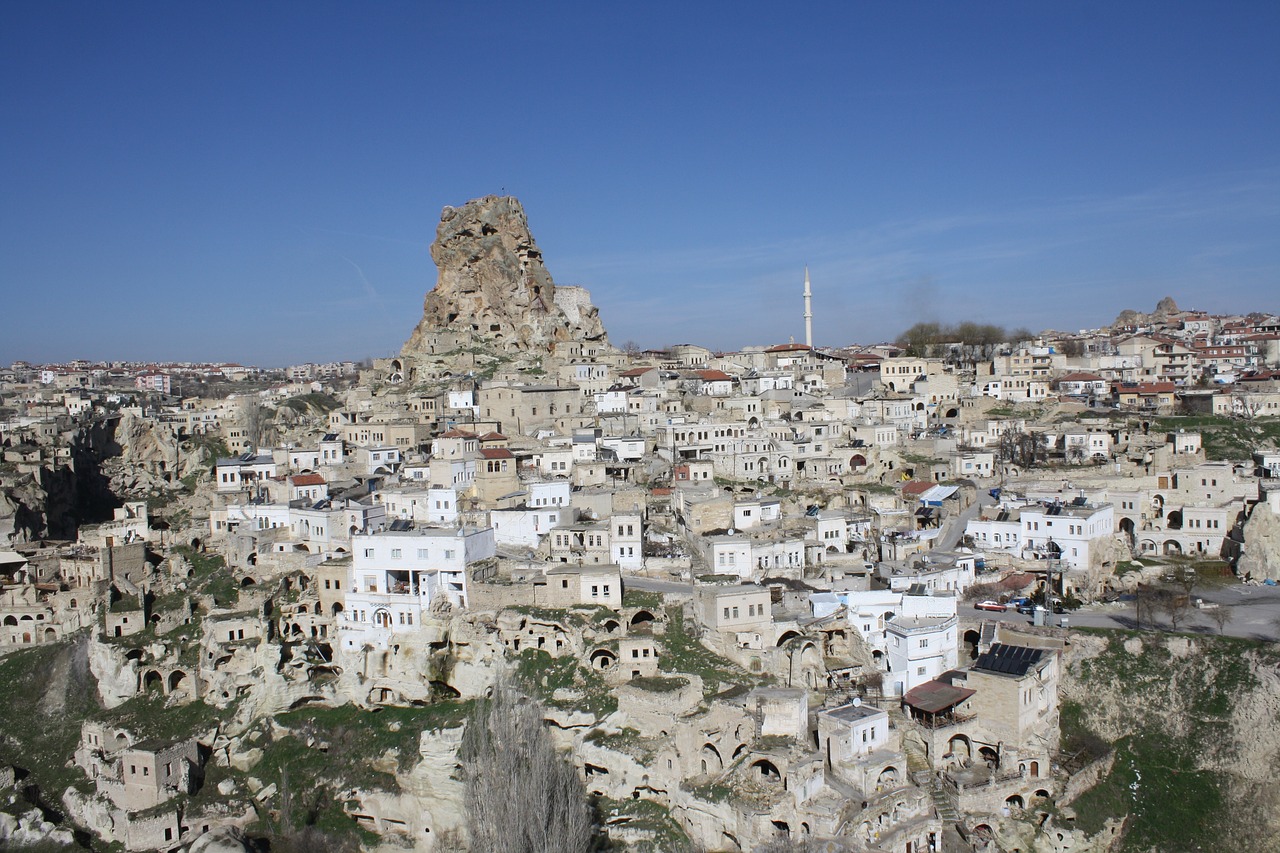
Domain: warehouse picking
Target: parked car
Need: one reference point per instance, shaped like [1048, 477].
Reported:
[1026, 608]
[990, 605]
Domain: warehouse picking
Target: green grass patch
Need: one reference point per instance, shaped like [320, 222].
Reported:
[683, 653]
[542, 675]
[1160, 780]
[43, 713]
[1225, 439]
[1172, 805]
[659, 683]
[642, 816]
[641, 598]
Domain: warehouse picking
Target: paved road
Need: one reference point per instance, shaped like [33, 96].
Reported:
[1254, 613]
[656, 585]
[953, 528]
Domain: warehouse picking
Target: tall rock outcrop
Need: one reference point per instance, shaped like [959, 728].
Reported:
[1260, 557]
[494, 291]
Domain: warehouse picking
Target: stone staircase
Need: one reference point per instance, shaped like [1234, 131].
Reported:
[922, 774]
[945, 803]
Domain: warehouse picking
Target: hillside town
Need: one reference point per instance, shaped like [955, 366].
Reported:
[788, 597]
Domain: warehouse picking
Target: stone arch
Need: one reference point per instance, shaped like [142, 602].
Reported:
[610, 626]
[1034, 768]
[989, 755]
[711, 761]
[11, 620]
[1174, 520]
[767, 770]
[741, 749]
[50, 634]
[952, 413]
[972, 639]
[960, 746]
[888, 778]
[602, 659]
[1015, 801]
[1172, 547]
[642, 618]
[336, 609]
[247, 581]
[1041, 794]
[787, 637]
[857, 460]
[152, 679]
[175, 679]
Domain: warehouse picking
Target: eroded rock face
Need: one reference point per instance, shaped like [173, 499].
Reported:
[1261, 557]
[493, 288]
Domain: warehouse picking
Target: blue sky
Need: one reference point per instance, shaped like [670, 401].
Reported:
[261, 182]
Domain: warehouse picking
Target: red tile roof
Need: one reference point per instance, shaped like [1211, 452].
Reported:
[307, 479]
[497, 453]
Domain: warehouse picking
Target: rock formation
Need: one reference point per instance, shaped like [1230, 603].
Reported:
[1260, 559]
[1165, 309]
[493, 289]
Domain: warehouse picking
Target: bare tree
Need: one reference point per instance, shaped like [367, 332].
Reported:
[522, 795]
[257, 421]
[1220, 616]
[1172, 603]
[1246, 406]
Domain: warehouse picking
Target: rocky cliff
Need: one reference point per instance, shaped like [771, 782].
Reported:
[494, 290]
[1191, 724]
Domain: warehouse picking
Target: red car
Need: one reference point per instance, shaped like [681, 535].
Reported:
[990, 605]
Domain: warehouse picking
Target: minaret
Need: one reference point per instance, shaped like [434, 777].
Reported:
[808, 310]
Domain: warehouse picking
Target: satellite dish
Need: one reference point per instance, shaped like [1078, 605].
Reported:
[731, 531]
[857, 701]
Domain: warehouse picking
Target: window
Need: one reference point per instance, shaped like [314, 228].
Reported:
[368, 553]
[395, 553]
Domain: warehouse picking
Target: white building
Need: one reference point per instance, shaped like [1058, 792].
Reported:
[920, 648]
[395, 576]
